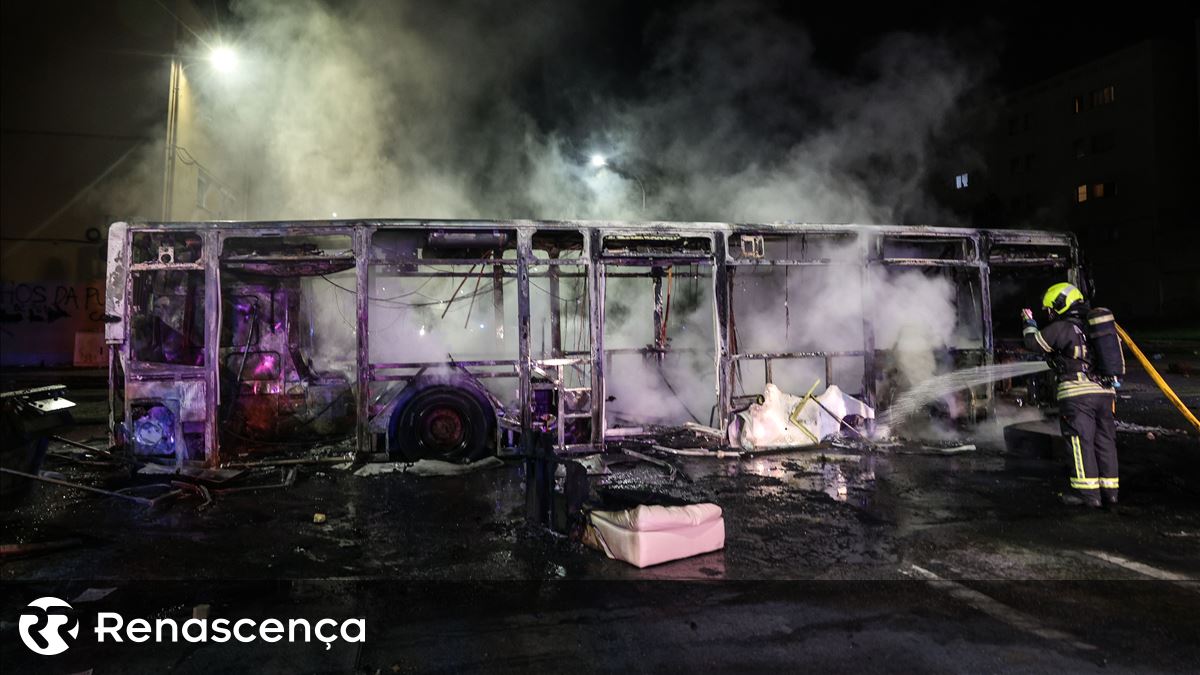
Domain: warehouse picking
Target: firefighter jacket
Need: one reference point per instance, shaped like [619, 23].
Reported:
[1064, 343]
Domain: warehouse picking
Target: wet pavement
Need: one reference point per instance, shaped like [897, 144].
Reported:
[919, 556]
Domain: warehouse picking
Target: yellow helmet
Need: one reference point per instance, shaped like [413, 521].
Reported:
[1061, 297]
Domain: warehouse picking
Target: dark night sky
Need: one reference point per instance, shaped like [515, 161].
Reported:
[609, 39]
[603, 51]
[612, 41]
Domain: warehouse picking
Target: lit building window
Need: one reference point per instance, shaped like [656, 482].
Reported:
[1097, 97]
[1094, 191]
[960, 181]
[1102, 190]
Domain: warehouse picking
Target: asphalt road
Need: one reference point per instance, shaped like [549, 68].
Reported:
[928, 562]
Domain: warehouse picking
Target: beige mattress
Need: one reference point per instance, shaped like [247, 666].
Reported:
[649, 535]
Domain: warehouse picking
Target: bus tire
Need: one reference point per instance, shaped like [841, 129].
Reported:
[442, 422]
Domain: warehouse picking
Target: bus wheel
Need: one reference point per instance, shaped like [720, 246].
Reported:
[442, 422]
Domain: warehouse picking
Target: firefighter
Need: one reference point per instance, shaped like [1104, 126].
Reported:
[1086, 401]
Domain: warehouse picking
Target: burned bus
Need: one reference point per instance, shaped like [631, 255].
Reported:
[460, 339]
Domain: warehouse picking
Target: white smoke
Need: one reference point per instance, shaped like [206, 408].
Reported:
[681, 386]
[417, 110]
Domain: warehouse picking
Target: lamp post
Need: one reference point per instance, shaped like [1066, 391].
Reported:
[169, 146]
[224, 60]
[600, 162]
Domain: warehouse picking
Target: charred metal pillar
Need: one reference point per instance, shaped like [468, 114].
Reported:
[498, 300]
[660, 331]
[595, 290]
[362, 362]
[211, 243]
[116, 293]
[722, 283]
[555, 309]
[985, 304]
[870, 376]
[525, 383]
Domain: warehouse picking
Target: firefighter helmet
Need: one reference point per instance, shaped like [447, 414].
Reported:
[1061, 297]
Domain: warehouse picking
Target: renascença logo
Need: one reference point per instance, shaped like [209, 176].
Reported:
[43, 623]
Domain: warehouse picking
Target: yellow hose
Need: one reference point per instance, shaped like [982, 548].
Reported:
[1166, 390]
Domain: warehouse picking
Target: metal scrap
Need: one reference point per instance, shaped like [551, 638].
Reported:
[671, 468]
[429, 467]
[594, 464]
[196, 489]
[704, 429]
[84, 446]
[195, 473]
[699, 452]
[288, 462]
[288, 480]
[86, 488]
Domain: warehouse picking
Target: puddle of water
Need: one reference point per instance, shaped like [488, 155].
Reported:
[807, 471]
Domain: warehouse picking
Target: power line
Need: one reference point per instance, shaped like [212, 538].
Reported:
[75, 134]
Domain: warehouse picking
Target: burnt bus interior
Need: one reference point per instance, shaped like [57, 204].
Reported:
[461, 339]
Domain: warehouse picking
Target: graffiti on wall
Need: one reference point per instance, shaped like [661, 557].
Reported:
[48, 303]
[39, 321]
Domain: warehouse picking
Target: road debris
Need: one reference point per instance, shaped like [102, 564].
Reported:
[288, 480]
[196, 473]
[699, 452]
[196, 489]
[1150, 431]
[36, 547]
[671, 468]
[85, 488]
[429, 467]
[289, 462]
[594, 464]
[83, 446]
[92, 595]
[786, 421]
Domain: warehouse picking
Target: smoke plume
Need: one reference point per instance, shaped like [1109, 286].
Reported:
[483, 110]
[466, 110]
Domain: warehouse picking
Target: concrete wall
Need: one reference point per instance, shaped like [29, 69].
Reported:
[85, 99]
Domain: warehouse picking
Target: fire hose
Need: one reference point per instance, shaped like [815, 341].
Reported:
[1158, 380]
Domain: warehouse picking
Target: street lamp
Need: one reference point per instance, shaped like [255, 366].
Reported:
[601, 162]
[224, 59]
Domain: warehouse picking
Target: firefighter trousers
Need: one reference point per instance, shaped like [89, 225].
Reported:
[1090, 429]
